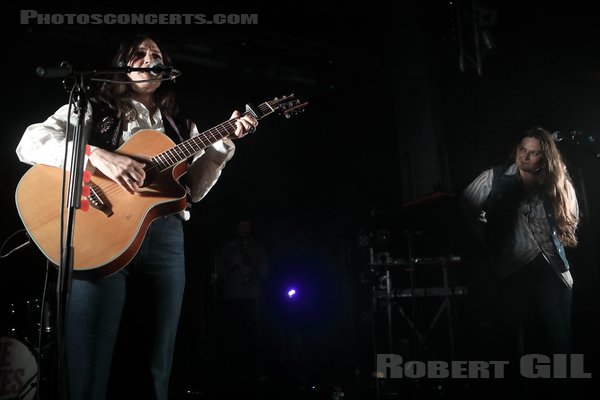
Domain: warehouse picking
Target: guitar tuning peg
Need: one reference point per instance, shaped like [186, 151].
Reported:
[85, 205]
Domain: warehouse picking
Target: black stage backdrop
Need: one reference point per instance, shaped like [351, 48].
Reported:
[393, 132]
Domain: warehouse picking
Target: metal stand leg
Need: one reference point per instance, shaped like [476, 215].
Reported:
[374, 338]
[446, 305]
[389, 310]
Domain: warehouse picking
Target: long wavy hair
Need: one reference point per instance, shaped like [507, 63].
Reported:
[555, 182]
[115, 95]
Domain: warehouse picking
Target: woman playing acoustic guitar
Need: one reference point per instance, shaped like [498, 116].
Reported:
[153, 282]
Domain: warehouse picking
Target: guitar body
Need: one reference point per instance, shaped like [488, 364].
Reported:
[103, 242]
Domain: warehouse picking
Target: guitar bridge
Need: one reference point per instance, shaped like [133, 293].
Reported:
[97, 202]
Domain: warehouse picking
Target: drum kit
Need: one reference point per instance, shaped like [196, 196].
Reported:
[22, 326]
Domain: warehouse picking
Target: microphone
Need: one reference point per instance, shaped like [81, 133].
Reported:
[157, 68]
[557, 136]
[63, 71]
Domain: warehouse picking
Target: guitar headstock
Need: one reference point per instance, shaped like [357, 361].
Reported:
[288, 105]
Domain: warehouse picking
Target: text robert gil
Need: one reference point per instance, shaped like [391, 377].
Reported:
[530, 366]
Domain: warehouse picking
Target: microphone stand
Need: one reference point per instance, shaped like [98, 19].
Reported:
[588, 144]
[65, 272]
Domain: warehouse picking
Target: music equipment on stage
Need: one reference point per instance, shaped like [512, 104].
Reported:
[19, 370]
[416, 285]
[416, 262]
[417, 293]
[398, 282]
[109, 235]
[22, 318]
[422, 292]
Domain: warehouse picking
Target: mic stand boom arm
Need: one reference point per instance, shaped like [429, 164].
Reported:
[66, 70]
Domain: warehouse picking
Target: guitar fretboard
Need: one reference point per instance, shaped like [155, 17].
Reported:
[190, 147]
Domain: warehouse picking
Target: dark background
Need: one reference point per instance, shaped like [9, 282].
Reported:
[392, 119]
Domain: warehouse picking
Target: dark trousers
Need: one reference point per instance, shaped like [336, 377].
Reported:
[150, 290]
[532, 310]
[530, 313]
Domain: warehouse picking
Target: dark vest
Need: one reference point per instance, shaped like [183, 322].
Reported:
[502, 205]
[107, 128]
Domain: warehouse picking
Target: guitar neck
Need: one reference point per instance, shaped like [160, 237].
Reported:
[192, 146]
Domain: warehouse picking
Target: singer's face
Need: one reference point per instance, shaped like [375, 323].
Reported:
[530, 157]
[146, 53]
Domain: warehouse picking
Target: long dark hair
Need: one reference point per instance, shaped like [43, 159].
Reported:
[556, 183]
[115, 94]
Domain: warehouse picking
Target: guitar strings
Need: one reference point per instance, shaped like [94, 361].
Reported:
[196, 143]
[173, 156]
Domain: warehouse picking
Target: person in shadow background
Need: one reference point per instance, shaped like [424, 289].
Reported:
[242, 269]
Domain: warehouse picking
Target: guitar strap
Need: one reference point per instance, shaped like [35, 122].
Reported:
[172, 129]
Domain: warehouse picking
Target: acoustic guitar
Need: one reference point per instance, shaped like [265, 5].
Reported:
[109, 235]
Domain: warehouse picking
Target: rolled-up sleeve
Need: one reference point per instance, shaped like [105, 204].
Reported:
[473, 199]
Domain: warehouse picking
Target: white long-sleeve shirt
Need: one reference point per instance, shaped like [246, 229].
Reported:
[44, 143]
